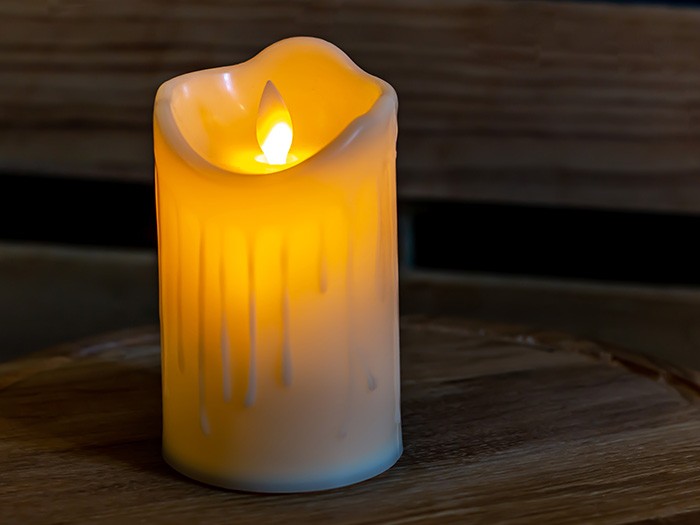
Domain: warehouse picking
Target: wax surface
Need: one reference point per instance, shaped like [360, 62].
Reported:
[278, 283]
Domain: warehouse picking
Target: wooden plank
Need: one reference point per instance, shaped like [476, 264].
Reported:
[531, 102]
[52, 294]
[658, 321]
[501, 425]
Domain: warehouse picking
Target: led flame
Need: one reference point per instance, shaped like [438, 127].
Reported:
[274, 126]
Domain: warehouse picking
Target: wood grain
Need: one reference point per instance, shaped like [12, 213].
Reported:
[533, 102]
[501, 425]
[658, 321]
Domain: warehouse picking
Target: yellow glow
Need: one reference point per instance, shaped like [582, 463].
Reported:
[278, 286]
[274, 126]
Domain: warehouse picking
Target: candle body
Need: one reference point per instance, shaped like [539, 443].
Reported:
[279, 314]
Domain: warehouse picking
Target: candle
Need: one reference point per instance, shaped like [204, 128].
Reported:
[275, 190]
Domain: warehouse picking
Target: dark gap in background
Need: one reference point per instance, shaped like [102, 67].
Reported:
[675, 3]
[77, 211]
[650, 248]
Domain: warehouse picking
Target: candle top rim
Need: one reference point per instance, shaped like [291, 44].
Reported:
[385, 104]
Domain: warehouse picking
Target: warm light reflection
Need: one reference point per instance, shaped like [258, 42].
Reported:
[278, 271]
[274, 126]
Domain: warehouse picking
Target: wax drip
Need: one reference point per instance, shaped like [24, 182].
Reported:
[178, 290]
[393, 262]
[353, 350]
[225, 358]
[380, 257]
[353, 347]
[322, 260]
[250, 393]
[393, 256]
[371, 381]
[159, 231]
[286, 350]
[343, 431]
[225, 341]
[395, 346]
[201, 293]
[164, 295]
[397, 377]
[204, 422]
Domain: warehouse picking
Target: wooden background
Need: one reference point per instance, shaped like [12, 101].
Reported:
[557, 103]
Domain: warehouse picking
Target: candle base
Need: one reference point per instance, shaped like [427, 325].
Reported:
[308, 483]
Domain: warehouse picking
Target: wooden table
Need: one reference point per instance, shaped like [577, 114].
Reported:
[501, 425]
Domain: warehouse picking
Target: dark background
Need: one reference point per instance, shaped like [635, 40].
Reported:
[457, 236]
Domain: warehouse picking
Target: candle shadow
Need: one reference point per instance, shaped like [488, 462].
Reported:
[102, 405]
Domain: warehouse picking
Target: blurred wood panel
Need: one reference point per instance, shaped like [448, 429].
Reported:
[52, 294]
[658, 321]
[533, 102]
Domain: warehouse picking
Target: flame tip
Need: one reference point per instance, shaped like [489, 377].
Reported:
[274, 126]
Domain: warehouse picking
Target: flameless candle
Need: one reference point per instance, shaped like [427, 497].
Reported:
[275, 187]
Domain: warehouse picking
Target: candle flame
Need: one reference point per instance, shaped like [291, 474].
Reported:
[274, 126]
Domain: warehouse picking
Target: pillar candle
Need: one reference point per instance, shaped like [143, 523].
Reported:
[275, 193]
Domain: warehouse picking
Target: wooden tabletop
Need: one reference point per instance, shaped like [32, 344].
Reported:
[501, 425]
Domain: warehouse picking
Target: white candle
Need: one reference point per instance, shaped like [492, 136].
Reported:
[278, 271]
